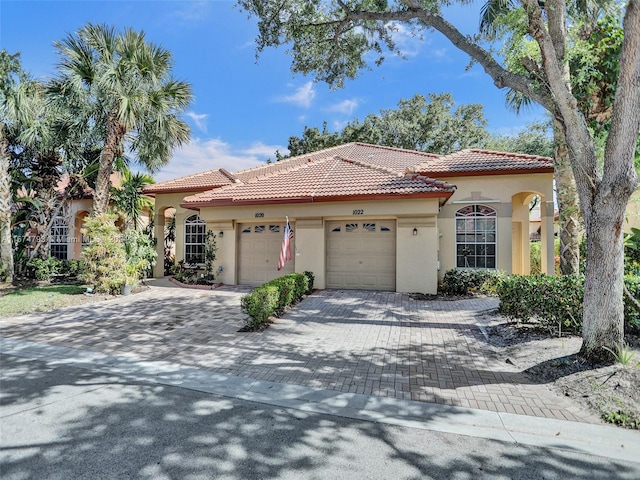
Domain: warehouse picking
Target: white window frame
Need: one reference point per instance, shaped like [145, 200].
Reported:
[476, 234]
[194, 226]
[59, 237]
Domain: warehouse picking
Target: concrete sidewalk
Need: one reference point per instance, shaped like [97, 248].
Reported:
[610, 442]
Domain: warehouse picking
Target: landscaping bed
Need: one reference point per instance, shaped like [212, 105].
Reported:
[611, 392]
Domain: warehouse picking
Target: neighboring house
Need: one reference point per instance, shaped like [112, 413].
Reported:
[66, 239]
[364, 216]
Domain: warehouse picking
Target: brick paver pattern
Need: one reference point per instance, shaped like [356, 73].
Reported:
[375, 343]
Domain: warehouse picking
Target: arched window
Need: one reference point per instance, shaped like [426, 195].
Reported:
[476, 237]
[194, 233]
[58, 239]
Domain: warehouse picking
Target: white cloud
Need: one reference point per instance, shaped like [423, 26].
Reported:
[345, 107]
[302, 97]
[263, 150]
[406, 41]
[201, 155]
[199, 119]
[190, 12]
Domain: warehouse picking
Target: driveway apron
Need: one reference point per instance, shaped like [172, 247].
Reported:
[375, 343]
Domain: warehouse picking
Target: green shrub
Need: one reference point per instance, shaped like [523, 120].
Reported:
[104, 256]
[271, 298]
[43, 268]
[140, 253]
[553, 302]
[71, 268]
[462, 281]
[311, 278]
[260, 304]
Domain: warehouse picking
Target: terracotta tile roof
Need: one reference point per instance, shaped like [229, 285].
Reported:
[473, 162]
[322, 179]
[198, 182]
[395, 159]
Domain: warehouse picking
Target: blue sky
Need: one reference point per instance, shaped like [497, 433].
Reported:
[245, 110]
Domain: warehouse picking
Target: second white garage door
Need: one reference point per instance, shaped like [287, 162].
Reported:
[259, 250]
[361, 255]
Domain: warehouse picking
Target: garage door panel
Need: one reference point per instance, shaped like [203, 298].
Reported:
[258, 252]
[361, 255]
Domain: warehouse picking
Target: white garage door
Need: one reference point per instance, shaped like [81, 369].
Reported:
[259, 250]
[361, 255]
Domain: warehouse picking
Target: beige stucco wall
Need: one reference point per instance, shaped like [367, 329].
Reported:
[509, 196]
[421, 259]
[417, 256]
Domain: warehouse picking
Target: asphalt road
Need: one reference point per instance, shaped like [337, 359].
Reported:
[64, 422]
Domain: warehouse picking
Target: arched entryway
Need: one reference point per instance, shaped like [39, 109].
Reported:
[520, 232]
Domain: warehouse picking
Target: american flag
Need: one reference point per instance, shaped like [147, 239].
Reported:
[285, 251]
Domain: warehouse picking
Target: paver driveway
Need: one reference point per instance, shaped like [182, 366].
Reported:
[375, 343]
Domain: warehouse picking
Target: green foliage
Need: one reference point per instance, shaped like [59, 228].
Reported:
[556, 302]
[261, 304]
[622, 354]
[104, 257]
[210, 249]
[552, 302]
[129, 199]
[46, 268]
[631, 311]
[271, 298]
[534, 140]
[463, 281]
[71, 268]
[43, 268]
[535, 257]
[433, 124]
[141, 255]
[311, 278]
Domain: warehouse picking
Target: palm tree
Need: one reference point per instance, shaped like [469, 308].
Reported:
[12, 93]
[129, 199]
[122, 86]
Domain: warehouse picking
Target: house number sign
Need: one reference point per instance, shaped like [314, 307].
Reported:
[260, 215]
[358, 211]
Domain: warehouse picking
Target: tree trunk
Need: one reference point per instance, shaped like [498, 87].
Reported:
[604, 279]
[112, 148]
[568, 206]
[603, 323]
[6, 250]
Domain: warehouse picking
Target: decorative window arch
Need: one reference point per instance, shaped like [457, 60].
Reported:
[476, 237]
[194, 234]
[58, 238]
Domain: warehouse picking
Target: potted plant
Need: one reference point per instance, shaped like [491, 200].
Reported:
[130, 280]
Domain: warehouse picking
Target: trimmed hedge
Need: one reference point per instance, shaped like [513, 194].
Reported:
[271, 298]
[460, 281]
[555, 302]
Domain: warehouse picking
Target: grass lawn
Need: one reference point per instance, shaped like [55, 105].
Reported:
[39, 299]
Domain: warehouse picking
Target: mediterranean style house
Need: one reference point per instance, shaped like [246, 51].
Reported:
[364, 216]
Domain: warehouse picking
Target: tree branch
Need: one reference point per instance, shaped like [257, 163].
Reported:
[501, 77]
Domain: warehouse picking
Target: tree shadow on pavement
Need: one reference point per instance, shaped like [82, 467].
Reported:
[66, 422]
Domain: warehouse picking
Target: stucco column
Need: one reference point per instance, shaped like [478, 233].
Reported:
[310, 248]
[521, 262]
[547, 257]
[158, 270]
